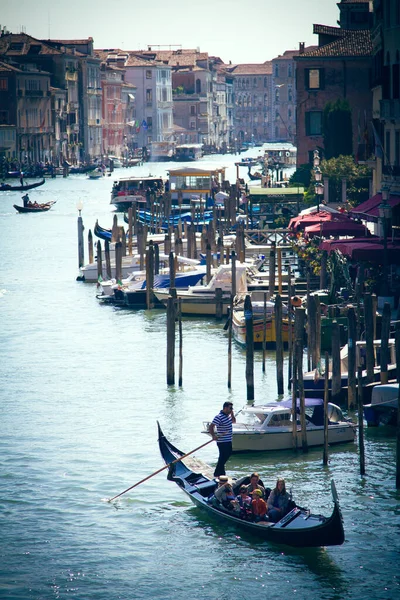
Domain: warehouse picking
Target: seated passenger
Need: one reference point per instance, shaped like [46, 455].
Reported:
[244, 503]
[258, 506]
[224, 494]
[278, 501]
[255, 485]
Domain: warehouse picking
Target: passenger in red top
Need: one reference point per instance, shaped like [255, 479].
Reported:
[258, 506]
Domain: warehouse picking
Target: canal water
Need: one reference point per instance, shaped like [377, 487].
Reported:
[82, 388]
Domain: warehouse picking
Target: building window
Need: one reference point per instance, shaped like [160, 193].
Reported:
[192, 124]
[193, 110]
[276, 70]
[289, 70]
[315, 79]
[4, 117]
[149, 123]
[290, 95]
[149, 96]
[3, 85]
[148, 74]
[265, 82]
[314, 123]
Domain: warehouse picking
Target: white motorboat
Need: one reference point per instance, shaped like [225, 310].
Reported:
[384, 405]
[201, 299]
[270, 426]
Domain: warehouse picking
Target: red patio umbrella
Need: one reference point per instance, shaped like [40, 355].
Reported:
[303, 221]
[336, 228]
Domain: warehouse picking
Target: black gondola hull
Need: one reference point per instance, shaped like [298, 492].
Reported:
[299, 528]
[20, 188]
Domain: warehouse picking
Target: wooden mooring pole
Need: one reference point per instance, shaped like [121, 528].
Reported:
[326, 420]
[108, 259]
[336, 374]
[99, 262]
[180, 342]
[279, 343]
[170, 341]
[150, 276]
[248, 316]
[81, 253]
[352, 355]
[300, 317]
[230, 344]
[385, 356]
[90, 246]
[361, 420]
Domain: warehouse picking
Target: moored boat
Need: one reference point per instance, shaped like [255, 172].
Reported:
[384, 405]
[314, 381]
[269, 427]
[261, 333]
[202, 299]
[299, 528]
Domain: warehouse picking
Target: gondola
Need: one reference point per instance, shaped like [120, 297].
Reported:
[82, 169]
[299, 528]
[6, 187]
[33, 208]
[254, 176]
[102, 233]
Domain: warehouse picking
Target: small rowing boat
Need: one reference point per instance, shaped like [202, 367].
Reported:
[34, 208]
[299, 527]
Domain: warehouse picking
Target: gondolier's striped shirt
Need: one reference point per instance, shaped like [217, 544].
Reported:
[224, 427]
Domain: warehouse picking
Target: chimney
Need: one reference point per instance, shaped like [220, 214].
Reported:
[301, 47]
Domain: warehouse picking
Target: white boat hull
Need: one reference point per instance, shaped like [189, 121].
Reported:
[281, 439]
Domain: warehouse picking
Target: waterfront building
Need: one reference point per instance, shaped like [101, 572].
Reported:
[199, 94]
[283, 110]
[8, 110]
[86, 132]
[252, 91]
[385, 160]
[338, 68]
[153, 98]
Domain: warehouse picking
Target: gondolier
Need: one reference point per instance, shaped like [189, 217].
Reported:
[221, 430]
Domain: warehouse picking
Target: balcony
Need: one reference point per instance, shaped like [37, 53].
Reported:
[390, 110]
[34, 93]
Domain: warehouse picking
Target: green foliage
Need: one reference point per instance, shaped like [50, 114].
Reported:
[337, 128]
[178, 90]
[301, 176]
[357, 179]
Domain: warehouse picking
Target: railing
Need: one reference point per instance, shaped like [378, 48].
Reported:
[281, 237]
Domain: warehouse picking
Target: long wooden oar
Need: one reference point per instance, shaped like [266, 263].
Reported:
[159, 470]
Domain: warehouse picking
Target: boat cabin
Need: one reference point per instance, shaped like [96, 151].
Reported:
[188, 152]
[128, 190]
[279, 414]
[188, 183]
